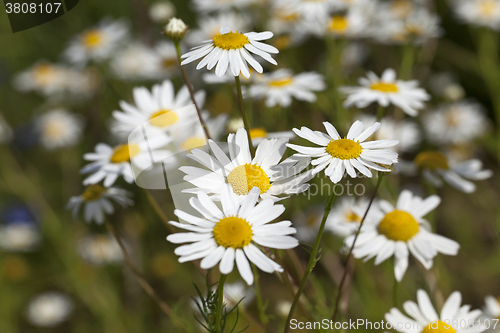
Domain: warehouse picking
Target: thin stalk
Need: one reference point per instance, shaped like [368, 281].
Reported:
[342, 281]
[140, 279]
[191, 92]
[220, 298]
[407, 62]
[312, 259]
[380, 112]
[243, 114]
[156, 207]
[258, 295]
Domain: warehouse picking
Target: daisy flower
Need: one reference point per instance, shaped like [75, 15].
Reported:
[422, 317]
[257, 134]
[399, 231]
[97, 43]
[435, 165]
[405, 131]
[135, 62]
[232, 234]
[280, 86]
[19, 237]
[159, 110]
[100, 249]
[205, 6]
[59, 128]
[311, 10]
[456, 123]
[161, 11]
[209, 26]
[166, 59]
[244, 173]
[307, 223]
[351, 24]
[386, 90]
[345, 217]
[230, 49]
[96, 201]
[108, 163]
[340, 155]
[195, 137]
[446, 86]
[421, 25]
[484, 13]
[49, 309]
[492, 307]
[44, 77]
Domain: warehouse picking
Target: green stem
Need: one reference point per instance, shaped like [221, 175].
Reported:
[407, 62]
[312, 259]
[344, 275]
[191, 92]
[380, 112]
[220, 299]
[260, 305]
[243, 114]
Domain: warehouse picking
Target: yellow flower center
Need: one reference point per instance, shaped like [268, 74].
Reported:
[338, 24]
[431, 160]
[257, 133]
[413, 29]
[123, 153]
[398, 226]
[289, 17]
[282, 42]
[92, 38]
[233, 231]
[163, 118]
[352, 217]
[53, 129]
[345, 149]
[488, 7]
[231, 40]
[93, 192]
[438, 327]
[168, 62]
[193, 142]
[280, 82]
[243, 178]
[43, 73]
[384, 87]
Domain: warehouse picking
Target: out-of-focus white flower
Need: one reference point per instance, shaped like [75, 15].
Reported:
[19, 237]
[317, 10]
[195, 136]
[49, 309]
[59, 129]
[135, 62]
[405, 131]
[345, 217]
[161, 11]
[209, 26]
[492, 308]
[238, 291]
[353, 55]
[205, 6]
[445, 85]
[257, 134]
[479, 12]
[280, 86]
[167, 62]
[351, 24]
[230, 50]
[96, 201]
[5, 130]
[386, 90]
[97, 43]
[100, 249]
[456, 123]
[307, 223]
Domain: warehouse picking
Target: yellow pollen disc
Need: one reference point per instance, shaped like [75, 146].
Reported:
[123, 153]
[43, 73]
[193, 142]
[93, 192]
[345, 149]
[452, 118]
[337, 24]
[438, 327]
[280, 82]
[353, 217]
[413, 29]
[169, 62]
[398, 226]
[431, 160]
[384, 87]
[257, 133]
[230, 41]
[282, 42]
[245, 177]
[233, 231]
[53, 130]
[488, 7]
[288, 17]
[92, 38]
[163, 118]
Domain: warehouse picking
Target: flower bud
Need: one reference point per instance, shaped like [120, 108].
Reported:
[176, 29]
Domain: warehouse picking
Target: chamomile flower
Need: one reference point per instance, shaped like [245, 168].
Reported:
[456, 123]
[236, 292]
[436, 166]
[159, 110]
[351, 24]
[405, 131]
[49, 309]
[166, 58]
[100, 249]
[311, 10]
[399, 231]
[161, 11]
[484, 13]
[59, 129]
[230, 49]
[44, 77]
[96, 201]
[386, 90]
[135, 62]
[338, 155]
[205, 6]
[307, 223]
[492, 307]
[447, 86]
[19, 237]
[97, 43]
[280, 86]
[258, 134]
[422, 317]
[209, 26]
[229, 235]
[243, 173]
[195, 137]
[345, 217]
[108, 163]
